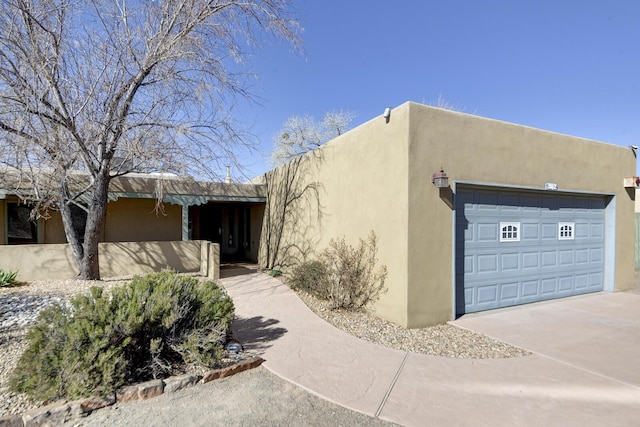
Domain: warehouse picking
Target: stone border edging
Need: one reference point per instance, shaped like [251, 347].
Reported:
[63, 411]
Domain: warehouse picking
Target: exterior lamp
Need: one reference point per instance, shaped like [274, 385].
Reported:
[440, 179]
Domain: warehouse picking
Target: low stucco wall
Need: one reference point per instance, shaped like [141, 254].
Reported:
[56, 262]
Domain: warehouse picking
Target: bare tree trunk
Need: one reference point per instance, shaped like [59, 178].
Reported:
[69, 230]
[88, 264]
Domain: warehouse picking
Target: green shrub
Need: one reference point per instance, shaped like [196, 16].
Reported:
[352, 277]
[310, 276]
[8, 278]
[275, 273]
[152, 327]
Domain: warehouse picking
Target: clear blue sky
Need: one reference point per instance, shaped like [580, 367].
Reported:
[568, 66]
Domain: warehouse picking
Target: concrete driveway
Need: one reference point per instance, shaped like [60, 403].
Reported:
[597, 333]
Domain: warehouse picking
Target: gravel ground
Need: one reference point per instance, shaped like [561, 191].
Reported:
[443, 340]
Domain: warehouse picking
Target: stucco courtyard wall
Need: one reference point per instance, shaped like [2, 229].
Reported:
[56, 262]
[480, 150]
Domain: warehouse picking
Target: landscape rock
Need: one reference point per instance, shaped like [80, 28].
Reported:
[53, 414]
[244, 365]
[140, 391]
[83, 407]
[179, 382]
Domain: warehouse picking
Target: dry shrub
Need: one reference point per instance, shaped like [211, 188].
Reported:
[352, 277]
[344, 275]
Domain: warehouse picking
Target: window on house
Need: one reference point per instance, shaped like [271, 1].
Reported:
[21, 229]
[565, 230]
[509, 231]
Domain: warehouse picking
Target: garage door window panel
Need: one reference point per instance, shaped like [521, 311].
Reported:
[509, 231]
[565, 230]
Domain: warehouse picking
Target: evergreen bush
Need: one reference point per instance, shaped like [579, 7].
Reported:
[155, 326]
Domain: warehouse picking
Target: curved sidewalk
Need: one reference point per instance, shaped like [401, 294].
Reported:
[413, 389]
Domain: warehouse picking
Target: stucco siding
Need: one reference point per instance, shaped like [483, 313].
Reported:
[137, 220]
[479, 150]
[53, 230]
[354, 184]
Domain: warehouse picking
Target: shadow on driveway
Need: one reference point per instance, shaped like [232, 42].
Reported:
[256, 333]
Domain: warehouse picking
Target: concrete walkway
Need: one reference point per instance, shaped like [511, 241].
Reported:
[584, 370]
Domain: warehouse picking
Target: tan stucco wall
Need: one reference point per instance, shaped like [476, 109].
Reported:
[137, 220]
[475, 149]
[145, 257]
[361, 185]
[56, 262]
[53, 230]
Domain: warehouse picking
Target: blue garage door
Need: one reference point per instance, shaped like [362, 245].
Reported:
[521, 247]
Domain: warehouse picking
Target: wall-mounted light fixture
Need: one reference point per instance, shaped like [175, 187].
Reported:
[631, 182]
[440, 179]
[387, 114]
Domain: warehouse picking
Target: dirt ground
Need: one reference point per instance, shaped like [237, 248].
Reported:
[252, 398]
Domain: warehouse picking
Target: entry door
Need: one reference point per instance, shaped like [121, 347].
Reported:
[520, 247]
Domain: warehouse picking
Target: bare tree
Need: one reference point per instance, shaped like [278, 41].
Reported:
[301, 134]
[441, 102]
[91, 90]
